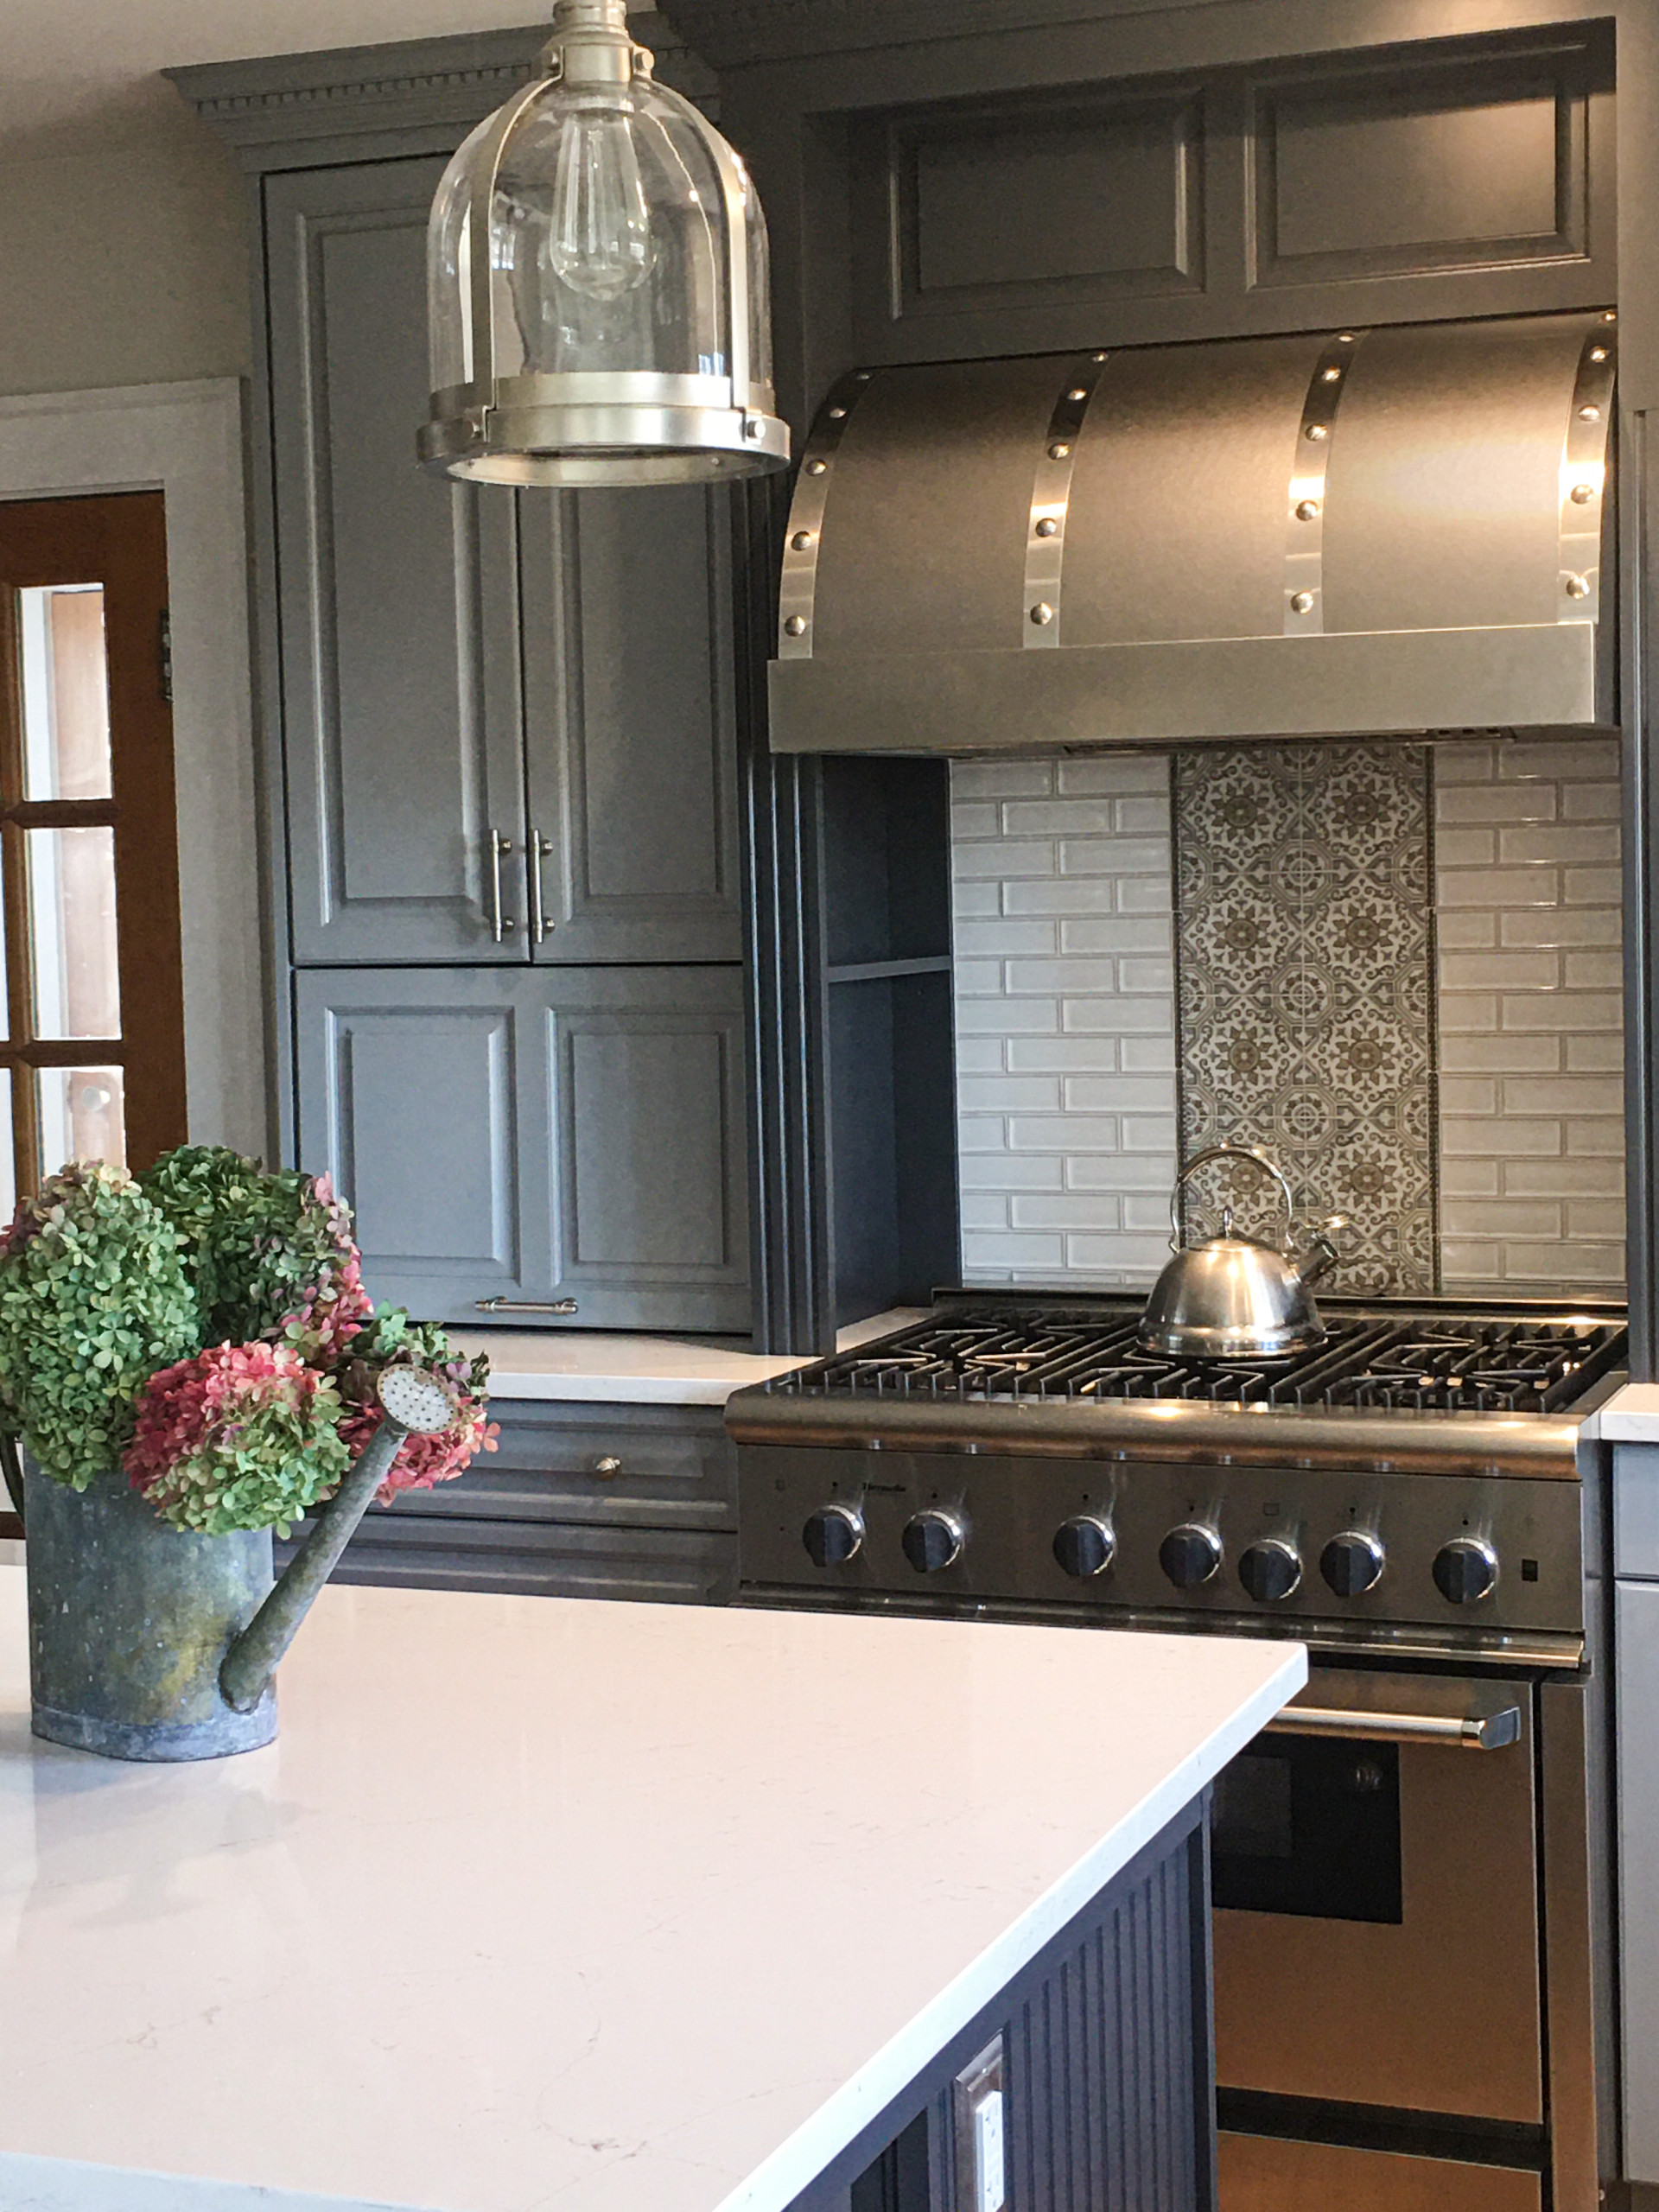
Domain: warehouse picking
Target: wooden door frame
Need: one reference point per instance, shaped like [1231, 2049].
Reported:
[186, 440]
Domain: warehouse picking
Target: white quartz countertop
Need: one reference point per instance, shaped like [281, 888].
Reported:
[1629, 1416]
[577, 1363]
[544, 1905]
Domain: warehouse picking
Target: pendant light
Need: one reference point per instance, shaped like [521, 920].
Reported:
[597, 282]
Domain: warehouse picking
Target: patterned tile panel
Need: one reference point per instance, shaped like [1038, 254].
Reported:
[1306, 982]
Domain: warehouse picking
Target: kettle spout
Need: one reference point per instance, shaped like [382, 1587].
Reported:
[1316, 1254]
[410, 1400]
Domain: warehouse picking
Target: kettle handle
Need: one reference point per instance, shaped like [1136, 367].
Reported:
[1225, 1150]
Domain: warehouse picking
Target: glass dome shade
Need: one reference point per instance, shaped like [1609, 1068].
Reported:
[597, 284]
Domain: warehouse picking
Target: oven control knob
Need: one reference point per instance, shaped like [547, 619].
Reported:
[1191, 1554]
[1465, 1570]
[833, 1534]
[933, 1540]
[1084, 1545]
[1270, 1569]
[1352, 1563]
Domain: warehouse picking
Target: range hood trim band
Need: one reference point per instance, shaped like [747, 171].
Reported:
[1541, 676]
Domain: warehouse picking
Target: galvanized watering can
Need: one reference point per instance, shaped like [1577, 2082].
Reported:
[148, 1642]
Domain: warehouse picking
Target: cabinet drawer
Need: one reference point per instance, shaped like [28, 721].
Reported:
[620, 1466]
[428, 1552]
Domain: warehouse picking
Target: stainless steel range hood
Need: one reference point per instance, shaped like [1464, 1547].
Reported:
[1357, 532]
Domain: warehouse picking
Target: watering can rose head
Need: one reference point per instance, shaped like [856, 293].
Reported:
[205, 1325]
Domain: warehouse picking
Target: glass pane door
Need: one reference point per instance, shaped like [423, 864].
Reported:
[92, 1018]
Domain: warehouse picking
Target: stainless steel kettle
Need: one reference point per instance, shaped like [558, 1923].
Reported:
[1234, 1297]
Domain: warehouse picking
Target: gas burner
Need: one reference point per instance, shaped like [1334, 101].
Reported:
[1410, 1364]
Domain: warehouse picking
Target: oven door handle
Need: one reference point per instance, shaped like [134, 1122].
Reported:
[1474, 1732]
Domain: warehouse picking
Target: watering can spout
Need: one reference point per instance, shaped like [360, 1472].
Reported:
[411, 1402]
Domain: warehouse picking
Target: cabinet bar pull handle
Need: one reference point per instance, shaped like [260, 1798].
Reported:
[524, 1305]
[541, 922]
[501, 925]
[1475, 1731]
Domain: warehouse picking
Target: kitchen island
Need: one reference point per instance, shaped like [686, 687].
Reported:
[538, 1903]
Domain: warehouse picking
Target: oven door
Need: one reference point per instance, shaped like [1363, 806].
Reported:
[1375, 1880]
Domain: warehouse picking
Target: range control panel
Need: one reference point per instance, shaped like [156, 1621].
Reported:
[1305, 1544]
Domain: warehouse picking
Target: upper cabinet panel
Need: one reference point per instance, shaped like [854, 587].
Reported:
[1454, 178]
[1381, 172]
[1101, 199]
[630, 748]
[398, 646]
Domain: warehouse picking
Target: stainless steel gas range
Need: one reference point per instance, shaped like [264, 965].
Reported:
[1408, 1869]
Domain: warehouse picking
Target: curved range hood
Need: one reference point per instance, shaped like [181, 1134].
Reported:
[1352, 533]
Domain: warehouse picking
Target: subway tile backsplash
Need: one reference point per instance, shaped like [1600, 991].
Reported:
[1065, 1017]
[1531, 1055]
[1494, 1162]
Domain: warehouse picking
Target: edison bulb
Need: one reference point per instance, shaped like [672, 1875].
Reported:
[600, 242]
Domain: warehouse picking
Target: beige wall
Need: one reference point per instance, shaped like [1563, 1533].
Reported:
[125, 265]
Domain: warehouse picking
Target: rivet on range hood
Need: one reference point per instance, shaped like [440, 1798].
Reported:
[1344, 533]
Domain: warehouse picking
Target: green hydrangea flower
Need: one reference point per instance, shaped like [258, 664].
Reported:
[258, 1244]
[93, 1300]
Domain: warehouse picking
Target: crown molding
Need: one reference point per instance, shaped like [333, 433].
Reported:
[730, 34]
[413, 85]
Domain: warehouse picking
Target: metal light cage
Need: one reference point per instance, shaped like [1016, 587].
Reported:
[598, 290]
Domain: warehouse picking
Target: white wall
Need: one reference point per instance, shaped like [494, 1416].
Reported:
[125, 264]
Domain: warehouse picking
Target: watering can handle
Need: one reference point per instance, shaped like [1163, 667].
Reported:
[251, 1660]
[1225, 1150]
[410, 1401]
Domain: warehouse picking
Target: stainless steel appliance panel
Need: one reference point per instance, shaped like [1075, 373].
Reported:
[1013, 1508]
[1260, 2173]
[1440, 2010]
[1178, 436]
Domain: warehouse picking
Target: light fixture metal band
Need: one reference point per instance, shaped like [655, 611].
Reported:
[1584, 474]
[478, 430]
[1305, 515]
[1051, 498]
[734, 196]
[480, 272]
[798, 590]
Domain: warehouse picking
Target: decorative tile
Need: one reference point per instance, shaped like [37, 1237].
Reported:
[1306, 992]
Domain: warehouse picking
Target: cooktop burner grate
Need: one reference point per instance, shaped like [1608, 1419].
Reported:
[1443, 1364]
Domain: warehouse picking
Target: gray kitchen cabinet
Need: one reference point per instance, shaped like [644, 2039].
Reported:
[402, 714]
[579, 1500]
[629, 670]
[1637, 1632]
[566, 1134]
[464, 665]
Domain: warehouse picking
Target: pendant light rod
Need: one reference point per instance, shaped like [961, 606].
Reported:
[591, 45]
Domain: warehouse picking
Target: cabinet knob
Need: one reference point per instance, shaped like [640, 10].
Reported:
[608, 1465]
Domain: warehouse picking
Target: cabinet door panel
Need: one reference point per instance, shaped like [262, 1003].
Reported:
[628, 689]
[403, 728]
[420, 1093]
[575, 1134]
[651, 1217]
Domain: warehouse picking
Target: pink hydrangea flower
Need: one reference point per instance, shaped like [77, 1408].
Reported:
[422, 1461]
[241, 1436]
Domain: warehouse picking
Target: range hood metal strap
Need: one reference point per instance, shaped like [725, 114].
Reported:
[797, 587]
[1050, 496]
[1475, 1731]
[1584, 474]
[1305, 512]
